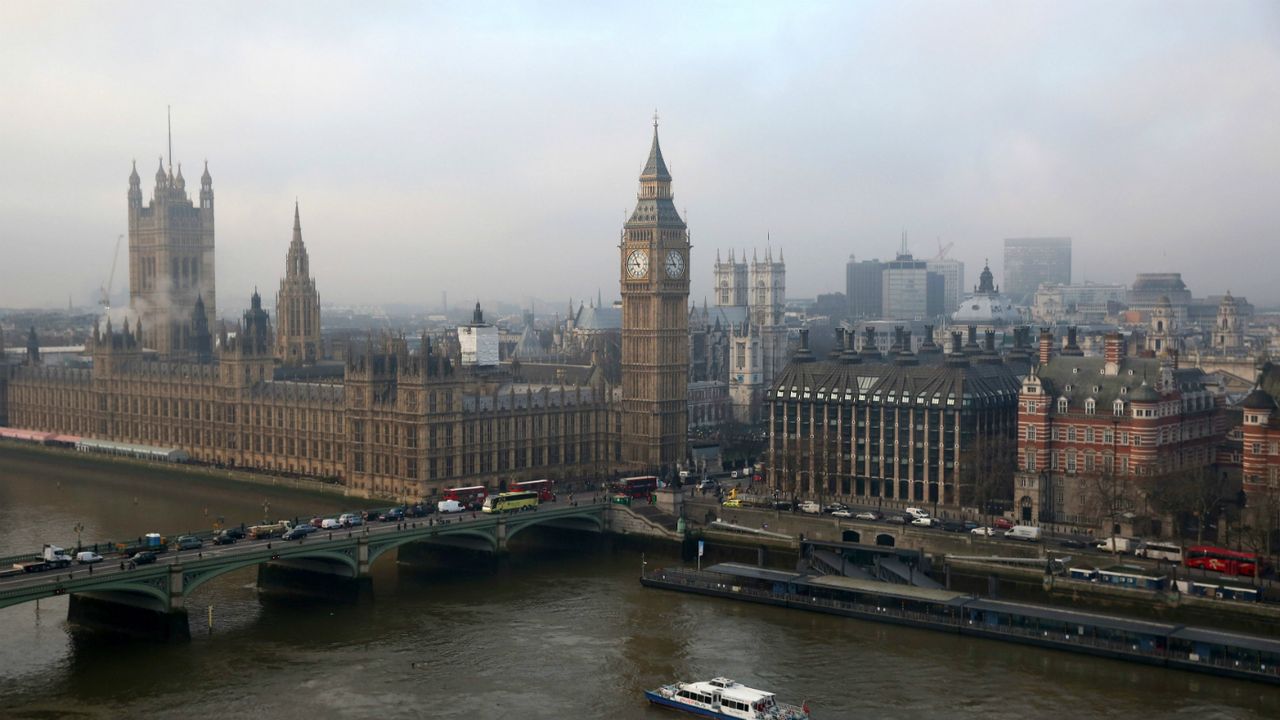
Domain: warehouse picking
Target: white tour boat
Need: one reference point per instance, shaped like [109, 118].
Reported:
[724, 699]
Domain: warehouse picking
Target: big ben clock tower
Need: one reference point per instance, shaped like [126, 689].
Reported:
[655, 324]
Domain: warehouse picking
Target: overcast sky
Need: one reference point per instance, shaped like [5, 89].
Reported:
[493, 150]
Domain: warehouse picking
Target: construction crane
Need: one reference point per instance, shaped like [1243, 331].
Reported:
[943, 249]
[104, 297]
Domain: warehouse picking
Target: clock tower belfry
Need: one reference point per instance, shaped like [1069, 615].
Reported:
[655, 324]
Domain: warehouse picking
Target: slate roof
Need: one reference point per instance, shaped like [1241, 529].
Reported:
[1076, 378]
[598, 318]
[933, 381]
[1258, 400]
[656, 167]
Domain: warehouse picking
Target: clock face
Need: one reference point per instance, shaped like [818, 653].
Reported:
[637, 264]
[675, 264]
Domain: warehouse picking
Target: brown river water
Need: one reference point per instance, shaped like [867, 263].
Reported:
[561, 628]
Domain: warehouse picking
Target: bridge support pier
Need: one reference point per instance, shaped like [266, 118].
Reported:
[311, 580]
[123, 614]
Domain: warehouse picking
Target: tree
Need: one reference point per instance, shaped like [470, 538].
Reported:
[1106, 497]
[1260, 531]
[1201, 493]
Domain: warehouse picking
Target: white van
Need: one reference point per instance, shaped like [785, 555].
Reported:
[330, 524]
[916, 513]
[450, 506]
[1026, 533]
[1118, 544]
[811, 507]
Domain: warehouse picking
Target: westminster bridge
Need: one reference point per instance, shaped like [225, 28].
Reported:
[150, 599]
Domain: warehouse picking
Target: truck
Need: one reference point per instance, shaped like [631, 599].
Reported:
[1025, 533]
[52, 557]
[268, 530]
[1121, 545]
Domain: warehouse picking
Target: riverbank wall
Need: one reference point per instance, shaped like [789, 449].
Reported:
[67, 455]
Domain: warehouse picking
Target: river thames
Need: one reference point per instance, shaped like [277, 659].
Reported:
[559, 629]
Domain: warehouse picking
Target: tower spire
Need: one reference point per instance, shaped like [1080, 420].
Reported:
[169, 122]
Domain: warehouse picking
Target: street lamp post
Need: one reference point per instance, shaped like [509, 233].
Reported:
[79, 529]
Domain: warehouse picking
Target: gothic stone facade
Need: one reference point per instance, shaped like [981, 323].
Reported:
[298, 306]
[397, 424]
[171, 261]
[654, 270]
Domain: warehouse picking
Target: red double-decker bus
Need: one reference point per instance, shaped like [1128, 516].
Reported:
[636, 487]
[471, 497]
[544, 488]
[1221, 560]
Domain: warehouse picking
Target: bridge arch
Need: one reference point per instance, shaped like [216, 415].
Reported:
[193, 579]
[886, 540]
[489, 540]
[588, 523]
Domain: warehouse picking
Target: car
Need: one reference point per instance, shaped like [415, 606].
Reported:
[897, 519]
[969, 524]
[1073, 543]
[350, 519]
[1002, 524]
[832, 507]
[707, 484]
[842, 513]
[234, 533]
[735, 475]
[189, 542]
[734, 503]
[146, 557]
[925, 522]
[394, 514]
[953, 526]
[415, 511]
[783, 505]
[88, 558]
[868, 515]
[298, 532]
[984, 531]
[224, 538]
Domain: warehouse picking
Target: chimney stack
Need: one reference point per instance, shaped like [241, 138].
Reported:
[1113, 352]
[1046, 346]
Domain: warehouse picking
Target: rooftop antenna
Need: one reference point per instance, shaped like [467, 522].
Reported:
[169, 118]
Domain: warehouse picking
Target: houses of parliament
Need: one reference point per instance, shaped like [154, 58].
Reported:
[398, 417]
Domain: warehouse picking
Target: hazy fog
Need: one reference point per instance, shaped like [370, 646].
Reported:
[494, 150]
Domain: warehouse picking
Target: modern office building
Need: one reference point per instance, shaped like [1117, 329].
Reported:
[1031, 261]
[863, 287]
[909, 291]
[953, 289]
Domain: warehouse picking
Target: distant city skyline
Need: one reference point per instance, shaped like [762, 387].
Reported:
[502, 171]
